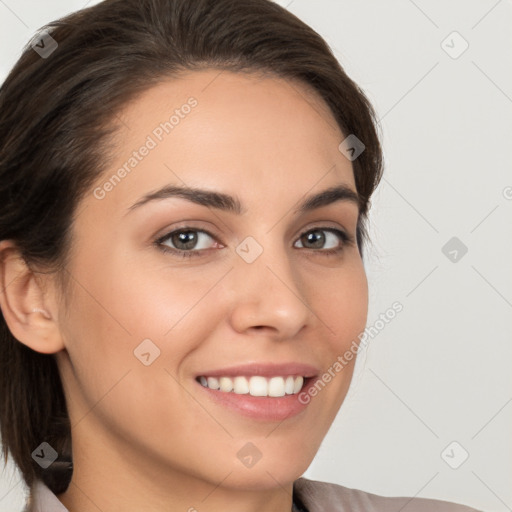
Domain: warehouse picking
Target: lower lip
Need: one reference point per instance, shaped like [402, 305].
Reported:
[262, 407]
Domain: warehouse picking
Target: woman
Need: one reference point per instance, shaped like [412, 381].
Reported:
[185, 186]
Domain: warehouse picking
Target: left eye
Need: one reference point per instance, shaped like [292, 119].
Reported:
[322, 238]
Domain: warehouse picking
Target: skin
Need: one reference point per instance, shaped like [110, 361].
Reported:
[147, 437]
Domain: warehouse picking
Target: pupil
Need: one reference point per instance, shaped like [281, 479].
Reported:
[185, 240]
[316, 238]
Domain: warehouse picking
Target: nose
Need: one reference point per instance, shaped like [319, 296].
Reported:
[268, 297]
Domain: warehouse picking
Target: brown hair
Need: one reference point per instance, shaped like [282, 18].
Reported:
[57, 116]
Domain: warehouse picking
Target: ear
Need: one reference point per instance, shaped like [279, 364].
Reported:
[31, 320]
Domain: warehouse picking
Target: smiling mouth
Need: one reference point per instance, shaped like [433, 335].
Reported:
[255, 385]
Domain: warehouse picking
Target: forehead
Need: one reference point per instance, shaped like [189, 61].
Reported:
[244, 133]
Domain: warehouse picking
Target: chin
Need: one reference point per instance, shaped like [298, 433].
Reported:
[264, 478]
[282, 468]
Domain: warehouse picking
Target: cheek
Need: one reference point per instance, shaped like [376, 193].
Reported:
[339, 297]
[121, 308]
[340, 301]
[134, 299]
[132, 309]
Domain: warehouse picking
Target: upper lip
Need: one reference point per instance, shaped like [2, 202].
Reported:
[263, 369]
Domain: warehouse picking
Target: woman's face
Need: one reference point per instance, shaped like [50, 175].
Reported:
[260, 278]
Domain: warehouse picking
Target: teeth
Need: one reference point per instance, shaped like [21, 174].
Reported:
[258, 386]
[297, 385]
[276, 386]
[289, 385]
[255, 385]
[212, 382]
[241, 386]
[226, 384]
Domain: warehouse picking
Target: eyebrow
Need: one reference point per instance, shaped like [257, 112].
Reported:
[231, 204]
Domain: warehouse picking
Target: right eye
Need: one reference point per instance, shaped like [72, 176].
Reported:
[186, 242]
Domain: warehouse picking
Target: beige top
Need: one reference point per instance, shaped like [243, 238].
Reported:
[309, 496]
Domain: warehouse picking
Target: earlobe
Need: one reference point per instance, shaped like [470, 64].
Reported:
[22, 301]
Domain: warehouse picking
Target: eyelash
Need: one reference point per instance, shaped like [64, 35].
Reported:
[344, 237]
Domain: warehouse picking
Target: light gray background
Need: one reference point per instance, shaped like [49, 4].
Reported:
[441, 370]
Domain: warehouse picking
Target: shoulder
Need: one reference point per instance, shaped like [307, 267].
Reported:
[323, 496]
